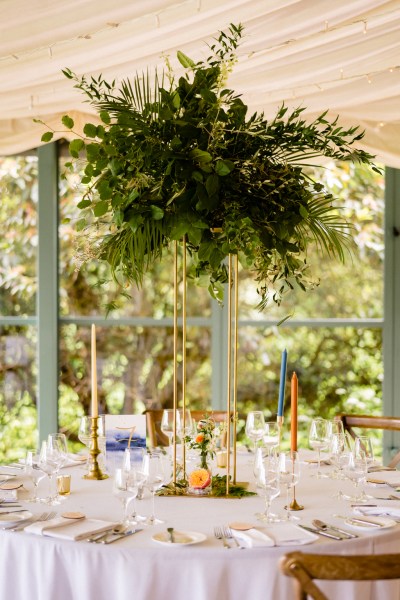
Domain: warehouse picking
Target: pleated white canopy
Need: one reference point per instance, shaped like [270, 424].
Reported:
[343, 56]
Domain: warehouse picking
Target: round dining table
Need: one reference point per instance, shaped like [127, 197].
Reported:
[40, 567]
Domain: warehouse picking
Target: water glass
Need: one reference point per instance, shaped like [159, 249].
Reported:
[319, 439]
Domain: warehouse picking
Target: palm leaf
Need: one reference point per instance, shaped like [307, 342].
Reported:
[330, 231]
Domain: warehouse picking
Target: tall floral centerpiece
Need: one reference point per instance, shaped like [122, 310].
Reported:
[177, 160]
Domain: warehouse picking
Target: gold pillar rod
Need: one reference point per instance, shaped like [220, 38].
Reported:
[175, 337]
[183, 424]
[229, 376]
[235, 361]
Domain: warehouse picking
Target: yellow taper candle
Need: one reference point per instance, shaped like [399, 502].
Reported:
[95, 407]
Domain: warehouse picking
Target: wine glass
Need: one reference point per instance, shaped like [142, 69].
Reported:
[271, 435]
[48, 466]
[335, 426]
[34, 473]
[154, 470]
[185, 423]
[364, 443]
[318, 439]
[268, 481]
[124, 488]
[57, 455]
[355, 469]
[289, 475]
[255, 426]
[85, 434]
[167, 423]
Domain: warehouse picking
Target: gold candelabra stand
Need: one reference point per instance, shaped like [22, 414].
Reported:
[94, 469]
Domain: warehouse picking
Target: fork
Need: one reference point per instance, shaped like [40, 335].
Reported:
[219, 534]
[46, 516]
[227, 531]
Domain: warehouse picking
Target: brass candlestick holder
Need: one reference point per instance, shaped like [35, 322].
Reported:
[94, 470]
[294, 505]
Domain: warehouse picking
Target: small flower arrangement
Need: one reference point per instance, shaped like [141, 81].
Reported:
[204, 440]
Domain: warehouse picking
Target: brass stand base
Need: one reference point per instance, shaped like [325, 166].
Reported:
[94, 471]
[295, 506]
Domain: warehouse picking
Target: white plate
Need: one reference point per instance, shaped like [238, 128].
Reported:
[182, 538]
[381, 521]
[14, 518]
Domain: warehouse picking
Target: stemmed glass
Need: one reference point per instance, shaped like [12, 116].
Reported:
[167, 424]
[48, 465]
[335, 427]
[125, 488]
[34, 473]
[255, 426]
[355, 469]
[271, 435]
[268, 480]
[84, 434]
[319, 439]
[289, 475]
[57, 455]
[154, 471]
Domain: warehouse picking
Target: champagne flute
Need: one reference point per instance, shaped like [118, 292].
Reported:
[318, 439]
[255, 426]
[289, 475]
[268, 481]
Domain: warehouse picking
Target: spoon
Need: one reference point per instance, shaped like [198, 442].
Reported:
[99, 536]
[171, 534]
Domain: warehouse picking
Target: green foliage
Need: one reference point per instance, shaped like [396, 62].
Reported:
[185, 160]
[218, 488]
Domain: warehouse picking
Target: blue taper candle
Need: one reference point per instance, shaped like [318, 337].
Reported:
[282, 383]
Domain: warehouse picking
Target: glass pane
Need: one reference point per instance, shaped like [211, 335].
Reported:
[350, 290]
[80, 290]
[134, 371]
[339, 370]
[18, 415]
[18, 235]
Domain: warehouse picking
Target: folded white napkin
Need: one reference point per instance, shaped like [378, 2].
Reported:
[9, 495]
[252, 538]
[378, 511]
[287, 534]
[69, 529]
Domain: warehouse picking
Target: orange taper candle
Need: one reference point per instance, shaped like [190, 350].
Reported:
[293, 412]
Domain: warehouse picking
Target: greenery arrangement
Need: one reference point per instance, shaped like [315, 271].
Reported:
[181, 158]
[218, 488]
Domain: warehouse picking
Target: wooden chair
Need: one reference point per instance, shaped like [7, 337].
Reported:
[153, 422]
[304, 568]
[371, 422]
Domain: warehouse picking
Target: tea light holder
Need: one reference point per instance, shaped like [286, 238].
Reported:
[94, 469]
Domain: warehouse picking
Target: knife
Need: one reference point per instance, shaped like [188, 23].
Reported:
[325, 526]
[119, 537]
[359, 521]
[323, 533]
[10, 512]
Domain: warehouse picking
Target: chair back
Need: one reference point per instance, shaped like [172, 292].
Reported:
[371, 422]
[305, 568]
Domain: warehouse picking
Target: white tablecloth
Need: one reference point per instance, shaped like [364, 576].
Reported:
[37, 568]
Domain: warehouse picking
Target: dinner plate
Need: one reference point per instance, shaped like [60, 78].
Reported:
[13, 518]
[381, 521]
[181, 538]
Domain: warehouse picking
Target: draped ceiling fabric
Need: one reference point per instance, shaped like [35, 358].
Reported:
[341, 55]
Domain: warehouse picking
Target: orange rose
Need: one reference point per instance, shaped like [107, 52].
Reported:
[200, 438]
[199, 479]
